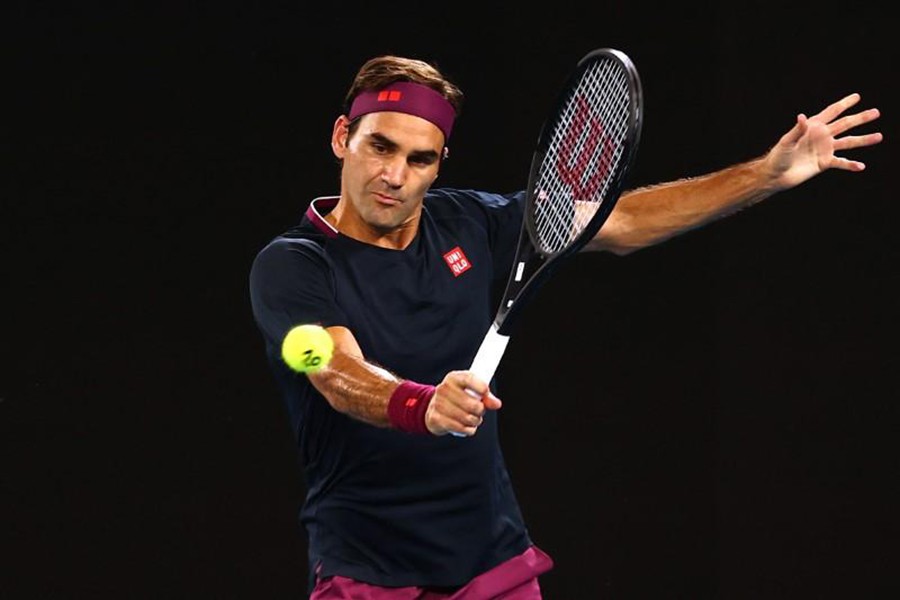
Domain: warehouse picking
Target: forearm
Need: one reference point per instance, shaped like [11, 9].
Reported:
[376, 396]
[356, 388]
[654, 214]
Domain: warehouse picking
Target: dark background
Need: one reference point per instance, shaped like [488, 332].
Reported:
[709, 418]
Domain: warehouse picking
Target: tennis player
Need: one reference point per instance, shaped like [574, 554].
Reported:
[401, 275]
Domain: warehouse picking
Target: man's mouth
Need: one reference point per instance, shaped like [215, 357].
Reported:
[386, 199]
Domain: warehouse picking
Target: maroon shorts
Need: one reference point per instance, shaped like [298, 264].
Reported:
[515, 579]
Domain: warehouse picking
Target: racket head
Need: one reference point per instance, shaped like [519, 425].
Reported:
[584, 152]
[578, 170]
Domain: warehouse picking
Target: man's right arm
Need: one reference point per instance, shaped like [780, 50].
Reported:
[351, 384]
[362, 390]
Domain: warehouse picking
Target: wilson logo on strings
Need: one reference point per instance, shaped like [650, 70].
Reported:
[585, 125]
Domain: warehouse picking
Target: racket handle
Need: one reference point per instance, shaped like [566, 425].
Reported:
[486, 360]
[488, 357]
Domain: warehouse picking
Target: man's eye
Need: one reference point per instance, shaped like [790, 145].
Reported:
[420, 161]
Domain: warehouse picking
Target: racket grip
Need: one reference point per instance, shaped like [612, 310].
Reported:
[488, 357]
[486, 360]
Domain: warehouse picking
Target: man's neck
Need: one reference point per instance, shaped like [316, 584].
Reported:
[352, 226]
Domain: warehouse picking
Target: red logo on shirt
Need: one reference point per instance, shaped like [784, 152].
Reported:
[457, 261]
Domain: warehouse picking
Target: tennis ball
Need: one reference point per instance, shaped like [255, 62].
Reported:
[307, 348]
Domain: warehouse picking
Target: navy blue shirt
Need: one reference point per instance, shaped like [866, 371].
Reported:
[383, 506]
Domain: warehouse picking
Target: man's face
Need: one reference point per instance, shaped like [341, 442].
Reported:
[388, 164]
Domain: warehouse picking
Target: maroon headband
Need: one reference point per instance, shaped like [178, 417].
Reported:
[407, 97]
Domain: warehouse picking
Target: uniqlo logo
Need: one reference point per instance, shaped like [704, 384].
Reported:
[457, 261]
[390, 96]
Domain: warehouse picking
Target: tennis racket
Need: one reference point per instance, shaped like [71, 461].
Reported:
[583, 154]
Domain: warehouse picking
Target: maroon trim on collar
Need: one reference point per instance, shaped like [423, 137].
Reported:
[316, 218]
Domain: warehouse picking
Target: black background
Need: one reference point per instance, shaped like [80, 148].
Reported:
[713, 417]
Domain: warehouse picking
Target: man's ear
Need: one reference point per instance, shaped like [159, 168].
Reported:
[339, 134]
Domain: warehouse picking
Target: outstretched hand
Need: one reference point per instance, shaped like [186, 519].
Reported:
[809, 147]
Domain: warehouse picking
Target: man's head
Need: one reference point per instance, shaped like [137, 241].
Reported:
[390, 140]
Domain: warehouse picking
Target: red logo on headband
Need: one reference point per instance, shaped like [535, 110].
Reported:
[407, 97]
[390, 96]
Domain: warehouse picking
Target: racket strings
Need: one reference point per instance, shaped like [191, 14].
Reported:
[582, 158]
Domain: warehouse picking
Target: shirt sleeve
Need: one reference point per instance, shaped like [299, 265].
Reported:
[505, 213]
[291, 283]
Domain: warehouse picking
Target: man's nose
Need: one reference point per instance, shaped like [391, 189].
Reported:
[393, 172]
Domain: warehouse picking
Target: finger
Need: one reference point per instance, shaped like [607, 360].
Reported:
[487, 400]
[464, 411]
[857, 141]
[472, 426]
[846, 164]
[471, 414]
[830, 112]
[797, 131]
[492, 402]
[458, 423]
[465, 432]
[467, 426]
[474, 384]
[850, 121]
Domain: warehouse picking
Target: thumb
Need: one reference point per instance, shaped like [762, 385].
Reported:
[491, 402]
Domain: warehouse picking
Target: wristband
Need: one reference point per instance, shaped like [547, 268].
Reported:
[407, 407]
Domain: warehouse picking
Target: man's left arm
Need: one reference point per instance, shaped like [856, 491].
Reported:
[653, 214]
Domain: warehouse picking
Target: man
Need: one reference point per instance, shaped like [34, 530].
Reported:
[401, 275]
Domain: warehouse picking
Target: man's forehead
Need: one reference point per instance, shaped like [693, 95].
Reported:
[403, 130]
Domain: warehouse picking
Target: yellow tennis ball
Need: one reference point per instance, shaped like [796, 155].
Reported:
[307, 348]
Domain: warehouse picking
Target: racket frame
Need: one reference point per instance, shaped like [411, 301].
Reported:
[529, 257]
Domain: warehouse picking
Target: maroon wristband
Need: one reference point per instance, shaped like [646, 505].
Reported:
[407, 407]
